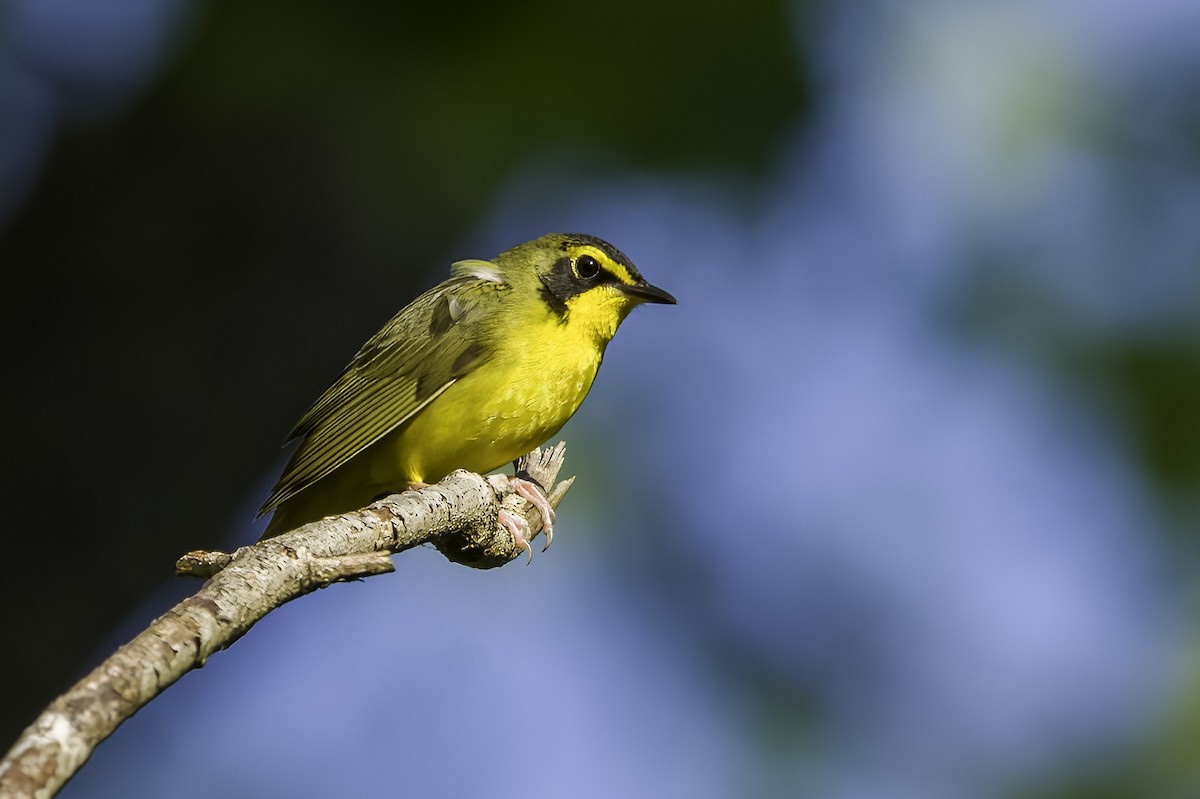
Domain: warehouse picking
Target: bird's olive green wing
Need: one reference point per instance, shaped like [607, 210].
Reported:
[416, 356]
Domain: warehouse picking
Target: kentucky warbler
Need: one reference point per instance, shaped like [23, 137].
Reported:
[472, 374]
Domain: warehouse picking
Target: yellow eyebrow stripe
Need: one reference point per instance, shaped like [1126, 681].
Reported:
[618, 269]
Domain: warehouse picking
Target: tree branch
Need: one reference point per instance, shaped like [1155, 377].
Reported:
[458, 516]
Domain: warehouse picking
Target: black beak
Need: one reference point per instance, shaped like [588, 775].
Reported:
[647, 293]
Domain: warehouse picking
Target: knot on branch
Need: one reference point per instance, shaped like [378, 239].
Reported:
[491, 545]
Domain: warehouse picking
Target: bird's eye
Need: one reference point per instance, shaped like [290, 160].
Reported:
[586, 267]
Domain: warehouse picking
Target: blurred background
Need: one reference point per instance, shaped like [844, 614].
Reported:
[901, 500]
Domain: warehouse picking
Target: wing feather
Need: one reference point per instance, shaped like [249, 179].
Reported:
[415, 357]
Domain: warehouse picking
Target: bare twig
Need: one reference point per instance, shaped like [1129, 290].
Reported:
[458, 516]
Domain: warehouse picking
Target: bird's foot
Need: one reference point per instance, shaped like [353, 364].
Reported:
[519, 528]
[532, 493]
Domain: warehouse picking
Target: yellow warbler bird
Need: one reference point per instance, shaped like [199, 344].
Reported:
[472, 374]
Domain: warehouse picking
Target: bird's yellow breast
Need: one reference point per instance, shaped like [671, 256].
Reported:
[493, 415]
[525, 392]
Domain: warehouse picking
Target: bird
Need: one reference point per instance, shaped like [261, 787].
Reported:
[472, 374]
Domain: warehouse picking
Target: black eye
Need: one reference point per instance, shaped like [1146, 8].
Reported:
[586, 267]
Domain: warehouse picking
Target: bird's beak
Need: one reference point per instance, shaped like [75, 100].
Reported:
[644, 292]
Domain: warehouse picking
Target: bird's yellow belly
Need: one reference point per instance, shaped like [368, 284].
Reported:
[512, 403]
[486, 419]
[483, 421]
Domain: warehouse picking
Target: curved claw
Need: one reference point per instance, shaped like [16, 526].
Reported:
[532, 493]
[520, 531]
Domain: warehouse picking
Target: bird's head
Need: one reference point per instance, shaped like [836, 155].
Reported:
[582, 280]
